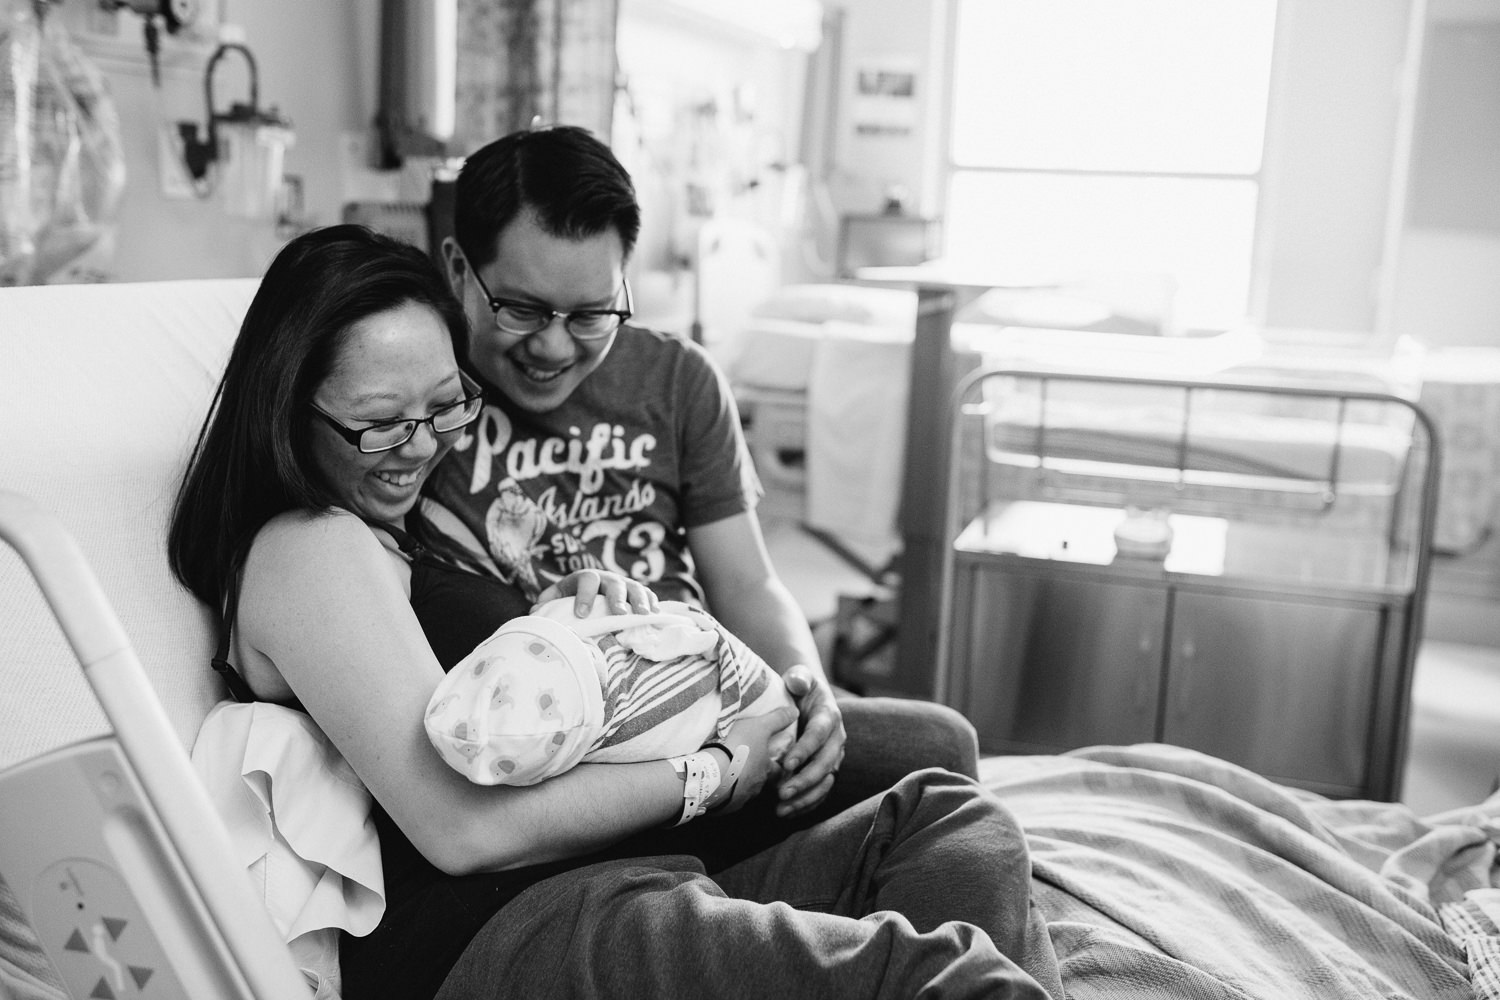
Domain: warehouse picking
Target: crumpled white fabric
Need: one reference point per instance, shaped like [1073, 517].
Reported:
[299, 821]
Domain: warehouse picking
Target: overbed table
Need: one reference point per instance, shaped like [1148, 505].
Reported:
[942, 289]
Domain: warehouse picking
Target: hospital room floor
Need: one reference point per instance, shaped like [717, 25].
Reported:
[1454, 757]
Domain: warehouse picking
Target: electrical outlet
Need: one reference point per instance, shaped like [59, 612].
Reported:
[171, 166]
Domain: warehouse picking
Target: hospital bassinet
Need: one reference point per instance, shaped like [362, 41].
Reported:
[1234, 567]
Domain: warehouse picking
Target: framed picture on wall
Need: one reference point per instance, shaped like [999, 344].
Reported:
[885, 96]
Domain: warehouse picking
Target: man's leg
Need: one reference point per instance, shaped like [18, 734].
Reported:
[889, 738]
[659, 927]
[936, 848]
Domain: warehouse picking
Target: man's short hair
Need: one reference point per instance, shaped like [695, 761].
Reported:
[562, 173]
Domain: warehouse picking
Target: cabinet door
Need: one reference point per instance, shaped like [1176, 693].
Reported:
[1053, 662]
[1286, 689]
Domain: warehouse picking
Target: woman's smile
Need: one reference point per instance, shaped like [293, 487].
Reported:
[401, 479]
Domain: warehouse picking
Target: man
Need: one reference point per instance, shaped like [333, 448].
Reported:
[604, 444]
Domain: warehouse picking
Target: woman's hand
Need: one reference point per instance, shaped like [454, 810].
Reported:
[814, 759]
[622, 594]
[759, 733]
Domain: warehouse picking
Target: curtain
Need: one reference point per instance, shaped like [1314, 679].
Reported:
[520, 60]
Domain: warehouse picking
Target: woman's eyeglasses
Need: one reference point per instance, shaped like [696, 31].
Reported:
[522, 319]
[389, 434]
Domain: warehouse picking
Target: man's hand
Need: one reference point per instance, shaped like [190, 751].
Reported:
[622, 595]
[812, 761]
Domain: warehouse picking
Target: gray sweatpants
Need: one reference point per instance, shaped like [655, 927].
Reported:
[920, 892]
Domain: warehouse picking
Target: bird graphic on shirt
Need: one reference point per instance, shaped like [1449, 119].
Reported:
[513, 525]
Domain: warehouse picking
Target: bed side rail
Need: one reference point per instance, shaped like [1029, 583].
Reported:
[178, 864]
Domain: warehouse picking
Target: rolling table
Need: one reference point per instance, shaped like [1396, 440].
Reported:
[942, 289]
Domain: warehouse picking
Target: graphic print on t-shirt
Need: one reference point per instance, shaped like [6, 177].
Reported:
[564, 503]
[512, 527]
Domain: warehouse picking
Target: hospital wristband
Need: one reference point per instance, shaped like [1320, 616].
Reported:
[737, 758]
[700, 778]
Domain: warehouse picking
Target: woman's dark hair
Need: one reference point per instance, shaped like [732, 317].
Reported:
[563, 173]
[253, 457]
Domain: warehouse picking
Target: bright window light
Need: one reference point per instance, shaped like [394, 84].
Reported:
[1198, 231]
[1113, 135]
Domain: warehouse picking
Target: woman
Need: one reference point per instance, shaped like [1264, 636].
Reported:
[300, 517]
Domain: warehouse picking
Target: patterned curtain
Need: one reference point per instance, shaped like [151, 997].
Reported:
[519, 60]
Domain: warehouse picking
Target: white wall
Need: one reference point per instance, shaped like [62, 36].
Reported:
[1447, 289]
[1330, 149]
[879, 33]
[315, 64]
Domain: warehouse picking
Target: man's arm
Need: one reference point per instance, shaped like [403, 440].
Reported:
[746, 595]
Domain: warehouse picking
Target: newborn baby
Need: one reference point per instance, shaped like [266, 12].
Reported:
[549, 690]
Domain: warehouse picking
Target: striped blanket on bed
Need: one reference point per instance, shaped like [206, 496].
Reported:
[1165, 873]
[1474, 922]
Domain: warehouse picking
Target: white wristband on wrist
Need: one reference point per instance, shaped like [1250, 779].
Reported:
[700, 774]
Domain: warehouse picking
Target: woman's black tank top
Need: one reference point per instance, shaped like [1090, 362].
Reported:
[430, 917]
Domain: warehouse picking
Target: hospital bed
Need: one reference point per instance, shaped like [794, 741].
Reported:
[1161, 871]
[112, 851]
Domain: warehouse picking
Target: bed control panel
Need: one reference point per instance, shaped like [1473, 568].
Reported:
[95, 933]
[92, 874]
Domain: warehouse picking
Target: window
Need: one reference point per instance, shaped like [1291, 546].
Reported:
[1113, 136]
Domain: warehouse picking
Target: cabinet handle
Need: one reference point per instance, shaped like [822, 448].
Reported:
[1181, 680]
[1147, 678]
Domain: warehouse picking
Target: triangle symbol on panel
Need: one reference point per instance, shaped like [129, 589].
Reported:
[76, 942]
[140, 976]
[102, 991]
[115, 926]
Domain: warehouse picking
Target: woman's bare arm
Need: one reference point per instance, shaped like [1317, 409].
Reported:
[322, 604]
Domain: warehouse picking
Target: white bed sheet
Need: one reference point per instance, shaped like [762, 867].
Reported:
[856, 433]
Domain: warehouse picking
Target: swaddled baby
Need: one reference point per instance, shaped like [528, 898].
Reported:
[549, 690]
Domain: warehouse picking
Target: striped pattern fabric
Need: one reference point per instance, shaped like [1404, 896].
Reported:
[641, 694]
[1474, 922]
[1168, 874]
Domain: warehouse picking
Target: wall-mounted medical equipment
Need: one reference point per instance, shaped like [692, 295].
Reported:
[239, 152]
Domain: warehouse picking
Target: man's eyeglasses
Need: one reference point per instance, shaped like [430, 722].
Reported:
[522, 319]
[389, 434]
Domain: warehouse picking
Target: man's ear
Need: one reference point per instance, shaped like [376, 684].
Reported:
[455, 265]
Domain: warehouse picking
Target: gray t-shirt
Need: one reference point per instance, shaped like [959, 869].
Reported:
[648, 445]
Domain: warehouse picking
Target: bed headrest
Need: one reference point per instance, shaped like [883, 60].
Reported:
[102, 391]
